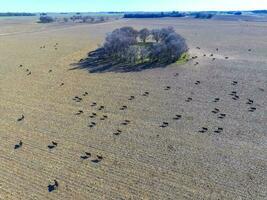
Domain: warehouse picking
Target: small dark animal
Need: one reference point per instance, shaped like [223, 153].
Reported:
[126, 122]
[188, 99]
[222, 116]
[118, 132]
[99, 158]
[234, 83]
[54, 143]
[92, 124]
[131, 98]
[79, 112]
[93, 104]
[197, 82]
[123, 108]
[177, 117]
[252, 109]
[216, 100]
[218, 130]
[101, 107]
[236, 97]
[21, 118]
[167, 88]
[145, 94]
[215, 111]
[250, 102]
[56, 183]
[88, 154]
[53, 187]
[203, 130]
[164, 124]
[77, 99]
[95, 161]
[51, 146]
[17, 146]
[84, 157]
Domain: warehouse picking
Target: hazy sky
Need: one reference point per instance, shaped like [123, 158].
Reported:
[128, 5]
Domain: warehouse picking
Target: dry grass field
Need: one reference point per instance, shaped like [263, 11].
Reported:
[213, 142]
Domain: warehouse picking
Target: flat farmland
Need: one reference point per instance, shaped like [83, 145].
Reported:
[186, 131]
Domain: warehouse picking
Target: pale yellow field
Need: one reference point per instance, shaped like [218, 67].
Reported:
[145, 161]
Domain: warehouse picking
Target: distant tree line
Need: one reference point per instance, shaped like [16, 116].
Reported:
[259, 11]
[145, 46]
[234, 13]
[203, 15]
[88, 19]
[10, 14]
[44, 18]
[154, 15]
[199, 15]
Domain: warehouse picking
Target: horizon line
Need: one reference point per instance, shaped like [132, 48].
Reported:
[131, 11]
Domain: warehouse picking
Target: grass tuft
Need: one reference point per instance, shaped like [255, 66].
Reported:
[183, 59]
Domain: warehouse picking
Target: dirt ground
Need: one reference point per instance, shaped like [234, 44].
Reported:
[213, 144]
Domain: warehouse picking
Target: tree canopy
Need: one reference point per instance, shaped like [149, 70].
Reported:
[129, 45]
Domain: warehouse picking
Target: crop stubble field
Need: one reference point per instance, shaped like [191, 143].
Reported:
[203, 154]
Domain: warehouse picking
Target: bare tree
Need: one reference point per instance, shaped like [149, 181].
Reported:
[144, 34]
[122, 45]
[156, 34]
[175, 45]
[119, 41]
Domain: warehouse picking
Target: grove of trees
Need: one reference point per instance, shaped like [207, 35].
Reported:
[203, 15]
[145, 46]
[45, 19]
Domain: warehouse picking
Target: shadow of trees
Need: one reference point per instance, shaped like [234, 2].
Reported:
[129, 50]
[97, 63]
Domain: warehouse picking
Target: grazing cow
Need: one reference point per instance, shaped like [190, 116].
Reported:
[17, 146]
[21, 118]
